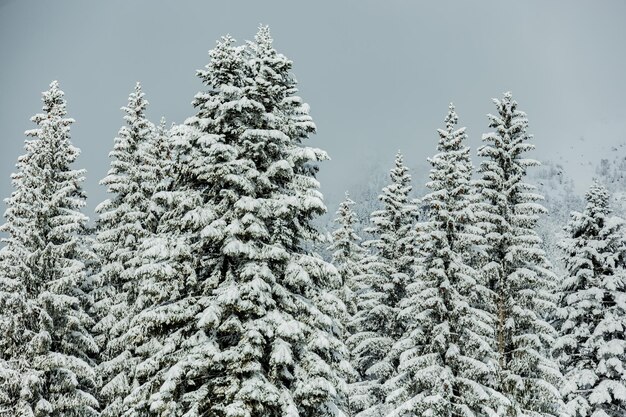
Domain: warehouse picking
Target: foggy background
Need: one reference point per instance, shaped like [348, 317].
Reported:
[378, 74]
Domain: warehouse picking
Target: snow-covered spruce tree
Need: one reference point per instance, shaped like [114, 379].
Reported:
[180, 257]
[46, 349]
[347, 255]
[121, 228]
[448, 361]
[166, 296]
[387, 270]
[237, 319]
[592, 310]
[519, 273]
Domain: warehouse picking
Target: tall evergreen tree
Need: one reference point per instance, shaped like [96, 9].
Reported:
[121, 228]
[176, 280]
[46, 350]
[592, 310]
[347, 255]
[237, 315]
[387, 271]
[166, 296]
[448, 363]
[517, 267]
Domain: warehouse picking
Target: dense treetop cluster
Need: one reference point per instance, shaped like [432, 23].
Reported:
[202, 290]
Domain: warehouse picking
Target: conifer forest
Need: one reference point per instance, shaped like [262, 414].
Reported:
[214, 282]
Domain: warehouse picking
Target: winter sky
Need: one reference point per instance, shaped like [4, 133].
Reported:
[378, 74]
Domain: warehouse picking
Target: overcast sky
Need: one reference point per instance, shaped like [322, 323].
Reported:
[378, 74]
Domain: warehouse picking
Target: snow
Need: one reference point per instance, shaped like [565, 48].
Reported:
[205, 287]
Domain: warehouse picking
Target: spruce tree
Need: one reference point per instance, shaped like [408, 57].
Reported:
[592, 310]
[272, 271]
[165, 305]
[347, 255]
[237, 313]
[447, 362]
[176, 277]
[388, 269]
[46, 350]
[518, 271]
[121, 228]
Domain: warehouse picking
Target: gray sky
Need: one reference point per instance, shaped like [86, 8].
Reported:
[378, 74]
